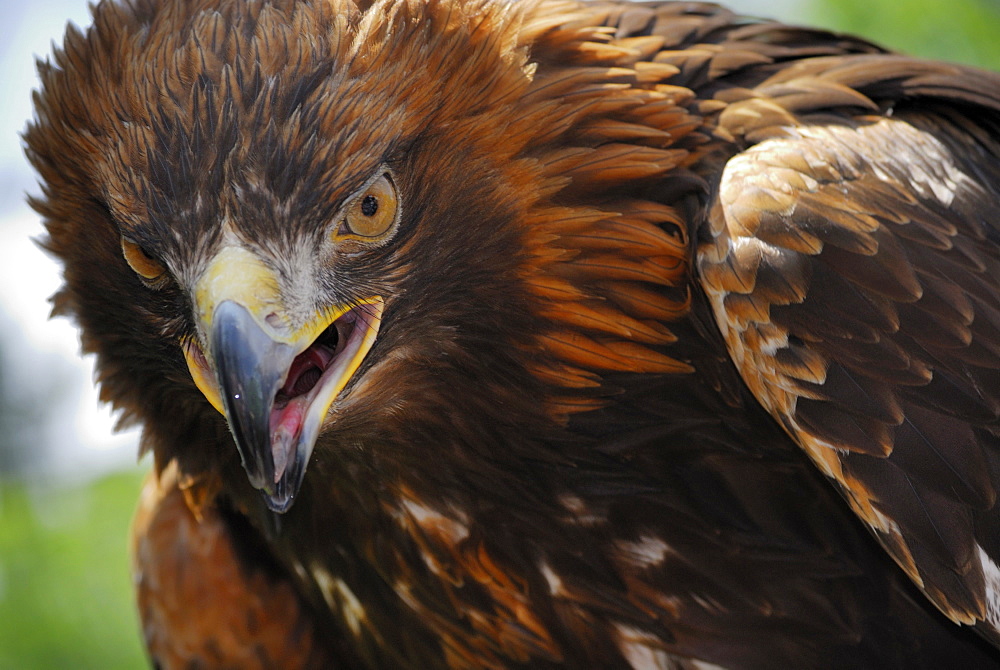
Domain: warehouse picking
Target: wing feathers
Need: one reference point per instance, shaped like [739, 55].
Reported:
[886, 271]
[944, 453]
[854, 271]
[872, 398]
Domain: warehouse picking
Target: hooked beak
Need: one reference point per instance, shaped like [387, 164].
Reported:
[274, 380]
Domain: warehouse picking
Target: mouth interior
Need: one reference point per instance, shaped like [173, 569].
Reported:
[303, 384]
[309, 366]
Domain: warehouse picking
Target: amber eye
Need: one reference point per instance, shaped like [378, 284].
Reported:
[144, 265]
[372, 213]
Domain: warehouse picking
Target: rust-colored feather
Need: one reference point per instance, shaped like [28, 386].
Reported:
[203, 600]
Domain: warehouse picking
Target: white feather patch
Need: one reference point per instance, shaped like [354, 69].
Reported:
[991, 575]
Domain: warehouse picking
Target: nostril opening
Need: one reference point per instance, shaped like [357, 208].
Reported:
[274, 320]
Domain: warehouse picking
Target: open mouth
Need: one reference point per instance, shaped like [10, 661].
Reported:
[276, 393]
[312, 375]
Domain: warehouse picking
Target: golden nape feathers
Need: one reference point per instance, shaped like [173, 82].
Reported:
[475, 334]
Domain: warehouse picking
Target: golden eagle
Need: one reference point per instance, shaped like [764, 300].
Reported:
[481, 334]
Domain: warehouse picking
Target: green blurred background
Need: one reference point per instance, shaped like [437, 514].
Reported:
[65, 593]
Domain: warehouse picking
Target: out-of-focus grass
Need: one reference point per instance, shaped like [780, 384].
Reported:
[959, 31]
[65, 590]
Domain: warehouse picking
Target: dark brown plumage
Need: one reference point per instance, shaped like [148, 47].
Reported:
[611, 334]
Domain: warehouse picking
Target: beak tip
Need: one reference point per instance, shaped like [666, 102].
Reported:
[278, 503]
[280, 496]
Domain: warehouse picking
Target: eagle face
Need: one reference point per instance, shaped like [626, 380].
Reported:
[276, 216]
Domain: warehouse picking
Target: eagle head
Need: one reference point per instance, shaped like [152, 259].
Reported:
[327, 223]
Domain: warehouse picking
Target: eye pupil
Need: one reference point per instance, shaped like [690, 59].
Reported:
[369, 205]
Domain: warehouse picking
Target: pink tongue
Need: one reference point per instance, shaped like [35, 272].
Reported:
[286, 422]
[285, 426]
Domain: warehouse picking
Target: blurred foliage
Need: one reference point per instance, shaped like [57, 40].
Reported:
[65, 586]
[960, 31]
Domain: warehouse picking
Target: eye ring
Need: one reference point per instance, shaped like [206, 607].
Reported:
[142, 262]
[371, 215]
